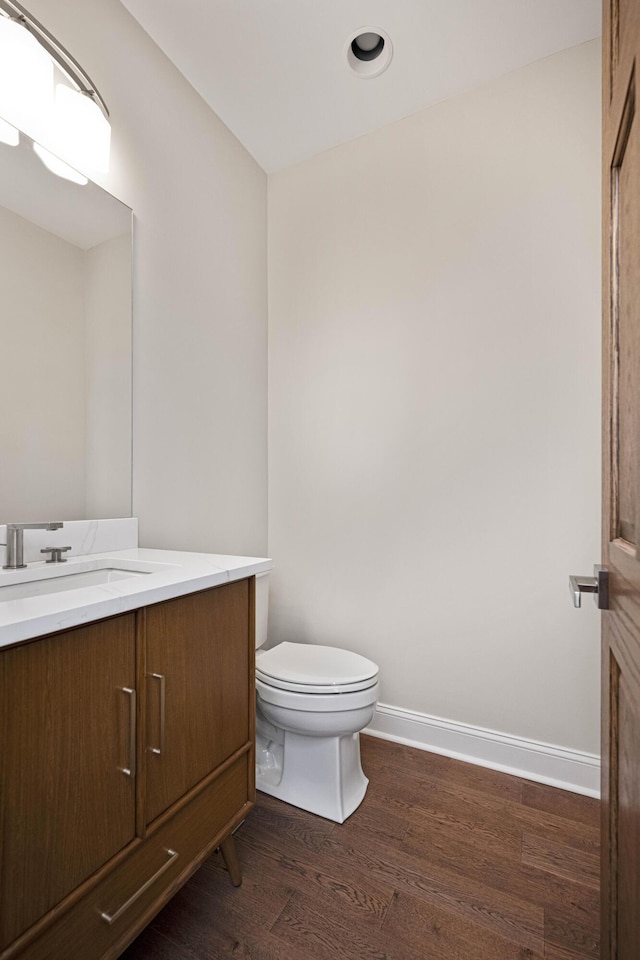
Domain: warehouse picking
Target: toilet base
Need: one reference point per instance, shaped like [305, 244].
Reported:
[320, 774]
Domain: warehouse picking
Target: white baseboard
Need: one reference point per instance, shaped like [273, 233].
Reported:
[567, 769]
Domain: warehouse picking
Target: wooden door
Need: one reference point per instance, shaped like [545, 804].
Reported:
[66, 806]
[621, 483]
[198, 648]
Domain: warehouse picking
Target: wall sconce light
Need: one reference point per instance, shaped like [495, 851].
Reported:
[45, 93]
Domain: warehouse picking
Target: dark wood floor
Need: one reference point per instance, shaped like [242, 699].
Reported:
[443, 861]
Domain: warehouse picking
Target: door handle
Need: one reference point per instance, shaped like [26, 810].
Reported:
[130, 771]
[598, 585]
[158, 676]
[112, 917]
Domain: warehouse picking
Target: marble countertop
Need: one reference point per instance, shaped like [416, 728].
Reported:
[174, 573]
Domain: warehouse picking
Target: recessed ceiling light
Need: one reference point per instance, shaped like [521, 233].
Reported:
[367, 46]
[369, 52]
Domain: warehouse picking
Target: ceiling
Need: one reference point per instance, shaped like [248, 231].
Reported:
[276, 73]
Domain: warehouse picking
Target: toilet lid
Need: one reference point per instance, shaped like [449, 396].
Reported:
[314, 669]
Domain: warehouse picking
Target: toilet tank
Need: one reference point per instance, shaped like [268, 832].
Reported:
[262, 608]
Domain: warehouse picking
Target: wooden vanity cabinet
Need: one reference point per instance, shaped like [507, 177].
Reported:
[126, 757]
[67, 808]
[197, 691]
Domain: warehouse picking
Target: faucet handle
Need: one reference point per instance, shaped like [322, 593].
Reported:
[56, 554]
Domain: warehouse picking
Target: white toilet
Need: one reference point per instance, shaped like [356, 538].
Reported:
[311, 704]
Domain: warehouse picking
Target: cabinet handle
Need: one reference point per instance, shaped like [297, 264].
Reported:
[130, 771]
[112, 917]
[160, 750]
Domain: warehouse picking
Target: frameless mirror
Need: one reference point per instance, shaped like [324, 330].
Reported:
[65, 335]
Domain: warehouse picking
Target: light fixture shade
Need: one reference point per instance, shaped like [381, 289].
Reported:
[58, 166]
[82, 132]
[26, 80]
[9, 134]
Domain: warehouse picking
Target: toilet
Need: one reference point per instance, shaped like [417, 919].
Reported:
[312, 702]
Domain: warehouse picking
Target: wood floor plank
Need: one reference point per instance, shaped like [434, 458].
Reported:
[582, 836]
[194, 921]
[561, 859]
[553, 952]
[488, 870]
[262, 903]
[457, 830]
[318, 936]
[426, 796]
[322, 879]
[255, 943]
[497, 910]
[153, 945]
[383, 755]
[379, 820]
[485, 862]
[571, 806]
[496, 873]
[442, 861]
[570, 933]
[424, 930]
[296, 828]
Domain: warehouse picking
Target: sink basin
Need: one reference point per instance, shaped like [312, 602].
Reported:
[66, 581]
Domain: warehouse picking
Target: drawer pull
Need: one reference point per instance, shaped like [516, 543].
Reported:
[130, 771]
[160, 750]
[112, 917]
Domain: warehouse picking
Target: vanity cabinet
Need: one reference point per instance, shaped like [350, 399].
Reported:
[64, 720]
[126, 757]
[197, 692]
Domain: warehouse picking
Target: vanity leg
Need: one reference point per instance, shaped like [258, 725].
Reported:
[230, 856]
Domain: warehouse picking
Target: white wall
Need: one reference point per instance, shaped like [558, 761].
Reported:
[107, 338]
[42, 380]
[199, 371]
[434, 402]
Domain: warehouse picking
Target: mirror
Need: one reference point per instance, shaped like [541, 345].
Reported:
[65, 331]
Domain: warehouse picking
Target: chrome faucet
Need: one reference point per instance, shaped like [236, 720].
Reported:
[15, 541]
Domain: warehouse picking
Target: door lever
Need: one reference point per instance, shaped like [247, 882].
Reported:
[598, 585]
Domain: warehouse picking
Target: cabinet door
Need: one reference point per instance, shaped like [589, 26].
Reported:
[198, 649]
[66, 806]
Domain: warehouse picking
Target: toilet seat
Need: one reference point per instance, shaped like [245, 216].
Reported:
[312, 701]
[314, 669]
[317, 689]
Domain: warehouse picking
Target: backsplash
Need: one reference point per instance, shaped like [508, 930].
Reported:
[83, 536]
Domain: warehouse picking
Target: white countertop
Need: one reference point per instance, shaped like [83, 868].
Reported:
[178, 573]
